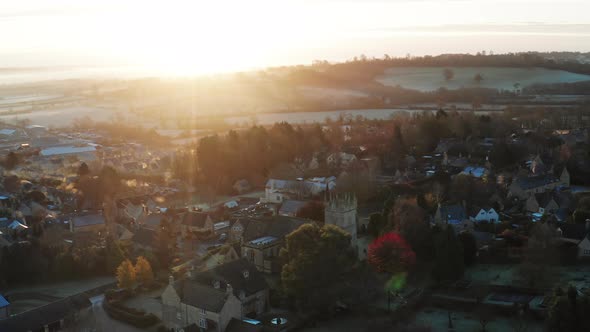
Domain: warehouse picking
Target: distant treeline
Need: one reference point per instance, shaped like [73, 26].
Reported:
[575, 88]
[364, 67]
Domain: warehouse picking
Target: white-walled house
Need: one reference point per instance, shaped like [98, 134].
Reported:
[485, 215]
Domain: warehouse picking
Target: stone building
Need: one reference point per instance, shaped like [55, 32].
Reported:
[341, 211]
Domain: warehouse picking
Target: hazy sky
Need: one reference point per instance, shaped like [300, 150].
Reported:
[197, 36]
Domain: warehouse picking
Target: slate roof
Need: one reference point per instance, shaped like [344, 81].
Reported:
[277, 226]
[544, 198]
[152, 221]
[573, 231]
[245, 202]
[530, 182]
[60, 150]
[200, 296]
[144, 237]
[88, 220]
[453, 213]
[3, 301]
[195, 219]
[232, 273]
[34, 320]
[236, 325]
[291, 206]
[475, 171]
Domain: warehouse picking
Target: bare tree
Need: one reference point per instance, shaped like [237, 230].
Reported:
[478, 78]
[448, 74]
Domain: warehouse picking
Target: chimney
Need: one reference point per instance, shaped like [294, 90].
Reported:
[170, 280]
[229, 289]
[588, 225]
[189, 273]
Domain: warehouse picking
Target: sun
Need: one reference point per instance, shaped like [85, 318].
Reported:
[197, 37]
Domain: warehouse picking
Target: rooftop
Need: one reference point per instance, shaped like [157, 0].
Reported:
[263, 240]
[59, 150]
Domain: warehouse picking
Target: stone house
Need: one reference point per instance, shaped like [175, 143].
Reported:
[218, 256]
[262, 239]
[196, 222]
[210, 299]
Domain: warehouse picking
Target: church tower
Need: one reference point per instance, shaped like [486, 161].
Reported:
[341, 211]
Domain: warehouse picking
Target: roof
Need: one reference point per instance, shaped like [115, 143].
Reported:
[88, 220]
[195, 219]
[34, 320]
[236, 325]
[290, 207]
[153, 220]
[200, 296]
[144, 237]
[17, 225]
[4, 222]
[277, 226]
[59, 150]
[474, 210]
[530, 182]
[3, 301]
[232, 273]
[474, 171]
[7, 132]
[221, 225]
[263, 240]
[573, 231]
[452, 213]
[245, 202]
[544, 198]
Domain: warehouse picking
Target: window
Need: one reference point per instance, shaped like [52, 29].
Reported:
[179, 315]
[586, 252]
[202, 311]
[203, 323]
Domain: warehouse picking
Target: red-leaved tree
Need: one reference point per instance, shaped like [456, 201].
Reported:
[391, 253]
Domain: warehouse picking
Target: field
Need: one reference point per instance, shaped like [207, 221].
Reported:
[431, 78]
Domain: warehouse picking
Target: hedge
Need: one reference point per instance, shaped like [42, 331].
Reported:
[137, 318]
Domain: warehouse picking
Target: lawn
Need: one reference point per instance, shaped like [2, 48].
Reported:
[431, 78]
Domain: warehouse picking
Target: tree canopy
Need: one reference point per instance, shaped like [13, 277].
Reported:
[317, 261]
[391, 253]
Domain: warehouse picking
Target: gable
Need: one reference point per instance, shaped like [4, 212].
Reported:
[584, 244]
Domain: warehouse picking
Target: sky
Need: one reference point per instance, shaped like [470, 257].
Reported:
[204, 36]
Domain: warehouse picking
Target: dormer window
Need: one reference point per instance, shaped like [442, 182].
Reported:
[216, 284]
[246, 274]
